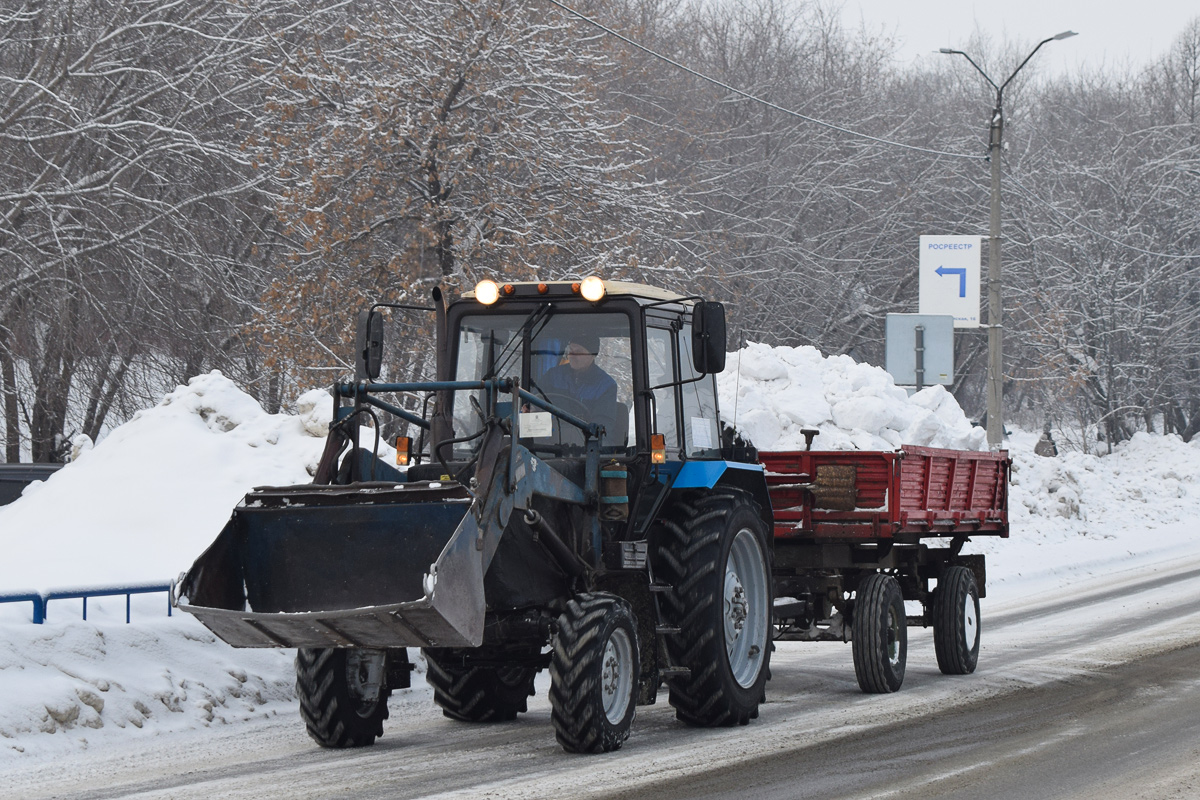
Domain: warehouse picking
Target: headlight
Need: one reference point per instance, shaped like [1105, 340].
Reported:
[592, 288]
[487, 292]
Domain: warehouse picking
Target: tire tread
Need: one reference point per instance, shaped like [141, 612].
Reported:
[477, 694]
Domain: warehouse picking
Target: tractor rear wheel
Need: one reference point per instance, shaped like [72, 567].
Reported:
[594, 670]
[343, 695]
[956, 622]
[712, 548]
[478, 694]
[879, 634]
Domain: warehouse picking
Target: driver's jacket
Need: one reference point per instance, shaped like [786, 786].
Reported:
[593, 387]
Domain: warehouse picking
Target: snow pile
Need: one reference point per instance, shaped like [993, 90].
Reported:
[770, 394]
[153, 494]
[1079, 515]
[1081, 492]
[76, 679]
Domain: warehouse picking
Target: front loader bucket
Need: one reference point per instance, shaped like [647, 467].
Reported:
[365, 565]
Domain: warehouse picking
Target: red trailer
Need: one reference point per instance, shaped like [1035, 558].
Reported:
[858, 533]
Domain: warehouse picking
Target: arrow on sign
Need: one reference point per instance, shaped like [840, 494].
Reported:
[961, 272]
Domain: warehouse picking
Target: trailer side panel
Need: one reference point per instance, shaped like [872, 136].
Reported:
[908, 494]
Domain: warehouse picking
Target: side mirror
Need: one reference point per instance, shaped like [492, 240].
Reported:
[368, 355]
[708, 337]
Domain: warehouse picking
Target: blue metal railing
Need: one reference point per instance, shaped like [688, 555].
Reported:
[42, 600]
[39, 603]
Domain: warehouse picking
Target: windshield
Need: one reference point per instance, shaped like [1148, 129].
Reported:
[580, 362]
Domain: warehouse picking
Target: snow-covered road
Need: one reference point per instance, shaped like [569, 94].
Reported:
[1030, 643]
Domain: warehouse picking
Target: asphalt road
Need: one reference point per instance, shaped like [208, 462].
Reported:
[1131, 731]
[1089, 693]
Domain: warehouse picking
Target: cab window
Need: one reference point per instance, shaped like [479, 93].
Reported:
[581, 363]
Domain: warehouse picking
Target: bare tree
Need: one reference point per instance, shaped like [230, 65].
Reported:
[1112, 244]
[122, 185]
[429, 141]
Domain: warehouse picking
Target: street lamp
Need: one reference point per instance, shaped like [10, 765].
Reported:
[995, 381]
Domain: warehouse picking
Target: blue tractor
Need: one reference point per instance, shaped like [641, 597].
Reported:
[569, 504]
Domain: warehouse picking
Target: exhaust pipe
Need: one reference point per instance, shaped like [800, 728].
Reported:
[441, 423]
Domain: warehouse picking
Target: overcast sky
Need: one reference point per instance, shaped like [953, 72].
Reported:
[1111, 32]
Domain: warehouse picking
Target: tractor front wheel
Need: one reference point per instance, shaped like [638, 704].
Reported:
[478, 694]
[343, 694]
[594, 672]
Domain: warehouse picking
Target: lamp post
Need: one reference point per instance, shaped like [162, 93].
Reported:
[995, 380]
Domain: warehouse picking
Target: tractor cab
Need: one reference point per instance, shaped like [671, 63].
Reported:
[637, 361]
[626, 368]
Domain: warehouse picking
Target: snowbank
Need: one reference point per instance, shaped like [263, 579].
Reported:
[770, 394]
[1079, 515]
[81, 680]
[156, 491]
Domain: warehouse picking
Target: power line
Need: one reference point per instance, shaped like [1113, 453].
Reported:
[755, 98]
[1074, 221]
[850, 132]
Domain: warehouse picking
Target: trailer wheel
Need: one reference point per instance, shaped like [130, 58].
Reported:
[879, 634]
[956, 622]
[478, 694]
[343, 695]
[712, 550]
[594, 671]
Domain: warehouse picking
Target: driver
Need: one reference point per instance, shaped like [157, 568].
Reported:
[581, 380]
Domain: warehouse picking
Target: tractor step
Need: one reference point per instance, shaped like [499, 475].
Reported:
[674, 672]
[668, 630]
[661, 587]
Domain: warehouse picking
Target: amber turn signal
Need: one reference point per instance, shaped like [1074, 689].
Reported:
[658, 448]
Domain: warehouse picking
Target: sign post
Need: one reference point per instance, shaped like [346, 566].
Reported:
[949, 278]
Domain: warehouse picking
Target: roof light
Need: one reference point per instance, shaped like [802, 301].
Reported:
[592, 288]
[487, 292]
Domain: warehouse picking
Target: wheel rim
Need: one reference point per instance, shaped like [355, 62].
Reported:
[616, 675]
[895, 622]
[970, 621]
[745, 603]
[364, 680]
